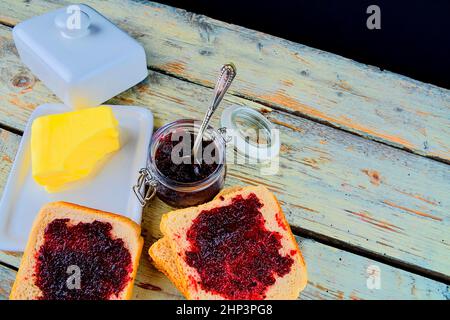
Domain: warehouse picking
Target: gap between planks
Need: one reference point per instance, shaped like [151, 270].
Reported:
[396, 263]
[7, 265]
[326, 239]
[11, 129]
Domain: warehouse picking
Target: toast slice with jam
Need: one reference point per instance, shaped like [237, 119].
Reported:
[238, 246]
[78, 253]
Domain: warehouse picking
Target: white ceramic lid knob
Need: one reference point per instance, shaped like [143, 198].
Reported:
[73, 22]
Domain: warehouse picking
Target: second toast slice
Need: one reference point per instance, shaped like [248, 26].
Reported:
[238, 246]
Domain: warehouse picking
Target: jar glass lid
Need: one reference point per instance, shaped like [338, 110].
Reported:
[251, 133]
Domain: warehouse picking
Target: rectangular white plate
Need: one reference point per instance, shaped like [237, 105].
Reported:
[109, 189]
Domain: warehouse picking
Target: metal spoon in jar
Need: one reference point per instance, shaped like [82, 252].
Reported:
[227, 74]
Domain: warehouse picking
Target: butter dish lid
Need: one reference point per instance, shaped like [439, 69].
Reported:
[80, 55]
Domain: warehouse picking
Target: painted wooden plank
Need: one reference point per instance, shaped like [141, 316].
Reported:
[333, 273]
[7, 277]
[325, 87]
[333, 183]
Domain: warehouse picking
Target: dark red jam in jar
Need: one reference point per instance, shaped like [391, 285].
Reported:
[233, 252]
[104, 263]
[188, 171]
[180, 181]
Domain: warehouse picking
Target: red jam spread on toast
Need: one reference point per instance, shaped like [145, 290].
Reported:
[182, 172]
[104, 263]
[233, 252]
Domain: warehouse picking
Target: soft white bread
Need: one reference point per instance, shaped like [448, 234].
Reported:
[25, 288]
[175, 225]
[164, 259]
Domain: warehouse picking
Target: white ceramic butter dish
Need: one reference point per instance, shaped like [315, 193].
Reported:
[80, 55]
[109, 189]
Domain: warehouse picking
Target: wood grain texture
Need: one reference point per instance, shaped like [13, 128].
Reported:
[330, 182]
[362, 99]
[7, 277]
[333, 273]
[8, 150]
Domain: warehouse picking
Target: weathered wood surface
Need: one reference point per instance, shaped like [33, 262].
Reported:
[332, 183]
[333, 273]
[325, 87]
[7, 277]
[335, 184]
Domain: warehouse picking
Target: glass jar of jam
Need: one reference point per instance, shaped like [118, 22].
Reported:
[178, 180]
[174, 175]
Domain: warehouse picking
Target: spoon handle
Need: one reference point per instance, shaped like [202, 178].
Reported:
[227, 74]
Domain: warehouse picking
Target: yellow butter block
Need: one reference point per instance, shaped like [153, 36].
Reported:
[67, 147]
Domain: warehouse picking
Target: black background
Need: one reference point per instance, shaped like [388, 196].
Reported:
[414, 39]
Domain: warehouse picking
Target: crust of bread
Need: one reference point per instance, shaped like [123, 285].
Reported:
[175, 268]
[163, 258]
[124, 228]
